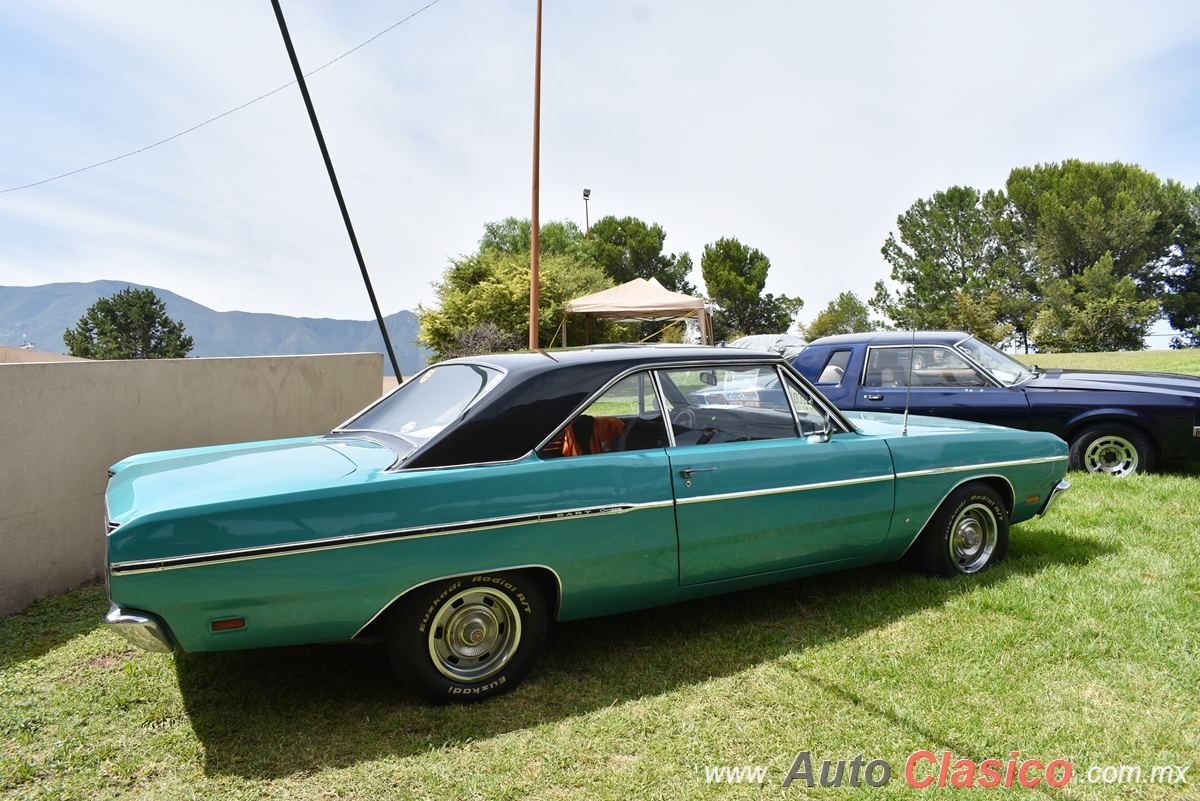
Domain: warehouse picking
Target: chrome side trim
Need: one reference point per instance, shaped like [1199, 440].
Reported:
[368, 538]
[386, 606]
[986, 466]
[779, 490]
[139, 628]
[871, 479]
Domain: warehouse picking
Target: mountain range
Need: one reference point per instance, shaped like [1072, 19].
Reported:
[42, 313]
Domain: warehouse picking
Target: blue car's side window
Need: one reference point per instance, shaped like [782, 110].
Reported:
[929, 366]
[835, 369]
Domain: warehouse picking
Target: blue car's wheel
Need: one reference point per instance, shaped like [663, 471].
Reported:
[468, 638]
[967, 534]
[1112, 449]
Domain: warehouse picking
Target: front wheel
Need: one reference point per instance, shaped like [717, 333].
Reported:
[1112, 449]
[468, 638]
[967, 534]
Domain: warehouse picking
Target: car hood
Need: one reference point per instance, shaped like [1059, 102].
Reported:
[194, 477]
[925, 448]
[1162, 383]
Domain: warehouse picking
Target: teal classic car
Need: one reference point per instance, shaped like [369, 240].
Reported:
[487, 496]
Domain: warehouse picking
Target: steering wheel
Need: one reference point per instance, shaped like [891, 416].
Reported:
[685, 418]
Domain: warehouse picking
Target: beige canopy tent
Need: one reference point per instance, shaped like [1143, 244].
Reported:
[644, 301]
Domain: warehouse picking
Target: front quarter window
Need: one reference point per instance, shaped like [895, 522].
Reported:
[727, 403]
[424, 406]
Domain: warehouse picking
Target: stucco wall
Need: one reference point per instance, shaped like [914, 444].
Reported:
[63, 424]
[8, 355]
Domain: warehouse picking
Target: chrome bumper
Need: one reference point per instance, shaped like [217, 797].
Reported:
[140, 628]
[1062, 486]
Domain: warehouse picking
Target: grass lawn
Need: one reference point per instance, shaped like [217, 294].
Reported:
[1083, 645]
[1163, 361]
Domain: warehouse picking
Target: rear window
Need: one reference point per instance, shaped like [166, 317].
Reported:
[835, 368]
[421, 408]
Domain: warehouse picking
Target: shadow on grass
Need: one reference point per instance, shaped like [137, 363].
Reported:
[276, 712]
[51, 622]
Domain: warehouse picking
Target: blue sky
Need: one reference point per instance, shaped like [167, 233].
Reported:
[801, 128]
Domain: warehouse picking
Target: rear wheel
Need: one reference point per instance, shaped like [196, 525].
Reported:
[967, 534]
[1113, 449]
[468, 638]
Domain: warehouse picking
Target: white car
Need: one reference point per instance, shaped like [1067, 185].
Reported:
[786, 345]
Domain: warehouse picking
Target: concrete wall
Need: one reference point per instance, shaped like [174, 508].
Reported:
[8, 355]
[63, 424]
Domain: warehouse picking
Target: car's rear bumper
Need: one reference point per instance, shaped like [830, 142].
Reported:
[140, 628]
[1061, 487]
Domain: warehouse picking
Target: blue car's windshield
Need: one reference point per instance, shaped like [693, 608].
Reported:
[421, 408]
[1005, 368]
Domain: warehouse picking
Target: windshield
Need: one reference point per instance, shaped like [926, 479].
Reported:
[424, 406]
[1007, 370]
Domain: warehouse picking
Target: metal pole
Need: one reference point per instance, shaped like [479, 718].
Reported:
[533, 237]
[337, 191]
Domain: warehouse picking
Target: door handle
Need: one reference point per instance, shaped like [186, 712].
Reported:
[874, 397]
[688, 472]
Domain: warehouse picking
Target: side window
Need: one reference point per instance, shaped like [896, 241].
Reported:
[885, 368]
[942, 367]
[931, 366]
[835, 368]
[727, 404]
[625, 418]
[811, 418]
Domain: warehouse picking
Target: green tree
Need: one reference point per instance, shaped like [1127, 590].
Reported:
[626, 248]
[514, 236]
[1074, 216]
[132, 324]
[988, 263]
[952, 270]
[1070, 215]
[1095, 311]
[1181, 302]
[845, 314]
[735, 275]
[493, 287]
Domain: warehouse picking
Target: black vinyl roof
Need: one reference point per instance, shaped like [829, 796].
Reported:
[542, 389]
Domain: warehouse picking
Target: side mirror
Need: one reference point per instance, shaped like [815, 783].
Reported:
[824, 435]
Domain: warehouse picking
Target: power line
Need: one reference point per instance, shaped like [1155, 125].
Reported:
[223, 114]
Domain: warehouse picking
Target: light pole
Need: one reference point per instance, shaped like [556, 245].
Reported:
[535, 222]
[587, 226]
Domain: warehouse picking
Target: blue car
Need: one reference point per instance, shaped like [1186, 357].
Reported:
[1115, 422]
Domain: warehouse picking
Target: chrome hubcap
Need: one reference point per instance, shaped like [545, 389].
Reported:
[973, 538]
[1115, 456]
[474, 634]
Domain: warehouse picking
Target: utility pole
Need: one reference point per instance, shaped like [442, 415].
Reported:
[337, 190]
[533, 234]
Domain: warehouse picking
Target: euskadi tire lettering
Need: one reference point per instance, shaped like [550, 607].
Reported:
[468, 638]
